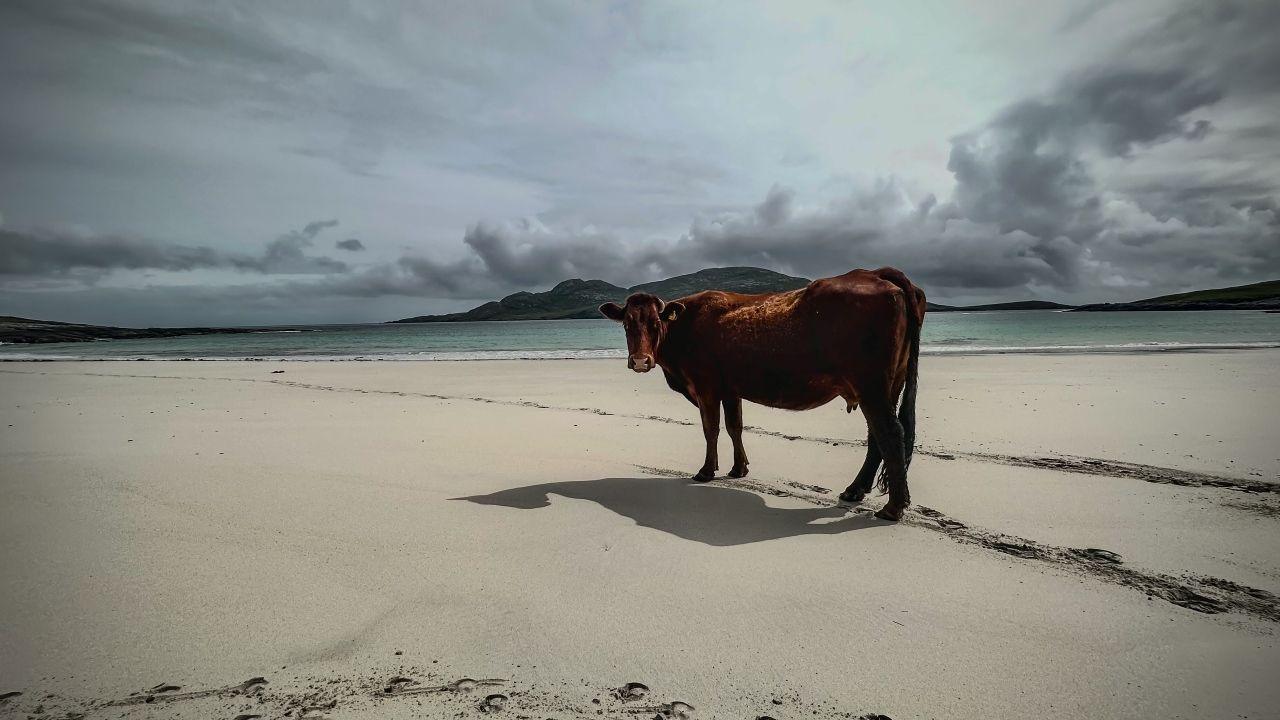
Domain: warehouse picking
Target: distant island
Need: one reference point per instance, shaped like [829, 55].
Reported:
[580, 299]
[1258, 296]
[1017, 305]
[24, 330]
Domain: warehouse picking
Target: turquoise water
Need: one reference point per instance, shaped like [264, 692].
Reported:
[968, 333]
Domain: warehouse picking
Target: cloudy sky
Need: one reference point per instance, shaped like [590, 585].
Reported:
[245, 163]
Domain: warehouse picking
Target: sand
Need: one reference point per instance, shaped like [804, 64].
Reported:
[171, 530]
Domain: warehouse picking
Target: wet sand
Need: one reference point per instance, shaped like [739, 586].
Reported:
[1091, 536]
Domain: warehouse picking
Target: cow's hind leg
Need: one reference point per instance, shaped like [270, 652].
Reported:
[710, 410]
[861, 484]
[733, 423]
[889, 436]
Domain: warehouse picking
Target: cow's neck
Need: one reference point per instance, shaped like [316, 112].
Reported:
[670, 352]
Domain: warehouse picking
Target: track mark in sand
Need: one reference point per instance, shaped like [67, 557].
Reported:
[492, 703]
[663, 472]
[409, 686]
[10, 694]
[1203, 594]
[811, 488]
[169, 693]
[1080, 465]
[1265, 509]
[674, 709]
[1135, 471]
[317, 711]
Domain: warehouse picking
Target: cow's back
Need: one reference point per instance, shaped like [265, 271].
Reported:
[795, 349]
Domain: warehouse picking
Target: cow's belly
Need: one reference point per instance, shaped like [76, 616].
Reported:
[790, 394]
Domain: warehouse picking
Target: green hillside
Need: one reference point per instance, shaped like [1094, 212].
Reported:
[732, 279]
[1268, 290]
[1257, 296]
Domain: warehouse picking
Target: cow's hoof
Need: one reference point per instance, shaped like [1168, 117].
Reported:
[852, 496]
[738, 472]
[704, 476]
[890, 512]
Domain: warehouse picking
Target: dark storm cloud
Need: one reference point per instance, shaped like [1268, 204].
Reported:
[882, 226]
[350, 244]
[1030, 168]
[23, 253]
[54, 254]
[285, 254]
[529, 255]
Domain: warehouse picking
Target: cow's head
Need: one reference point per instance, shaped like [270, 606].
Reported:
[646, 319]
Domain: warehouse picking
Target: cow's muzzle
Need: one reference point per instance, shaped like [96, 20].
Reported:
[640, 363]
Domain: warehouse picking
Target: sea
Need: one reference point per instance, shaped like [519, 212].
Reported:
[972, 333]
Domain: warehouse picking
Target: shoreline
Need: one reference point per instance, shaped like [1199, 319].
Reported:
[611, 354]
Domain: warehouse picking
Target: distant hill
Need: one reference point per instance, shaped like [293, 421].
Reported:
[1258, 296]
[569, 299]
[1019, 305]
[575, 299]
[24, 330]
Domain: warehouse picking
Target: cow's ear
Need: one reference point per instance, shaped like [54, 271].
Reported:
[672, 310]
[611, 311]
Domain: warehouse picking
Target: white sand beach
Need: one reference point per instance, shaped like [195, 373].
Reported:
[1091, 536]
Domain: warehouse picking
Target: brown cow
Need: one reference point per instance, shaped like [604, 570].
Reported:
[856, 336]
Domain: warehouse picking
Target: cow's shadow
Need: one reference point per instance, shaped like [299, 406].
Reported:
[710, 514]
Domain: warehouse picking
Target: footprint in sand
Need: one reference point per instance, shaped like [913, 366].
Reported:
[493, 703]
[251, 685]
[397, 684]
[632, 691]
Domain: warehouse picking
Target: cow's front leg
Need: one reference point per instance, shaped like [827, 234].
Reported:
[733, 423]
[710, 410]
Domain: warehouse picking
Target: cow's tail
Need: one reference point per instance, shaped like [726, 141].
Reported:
[915, 308]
